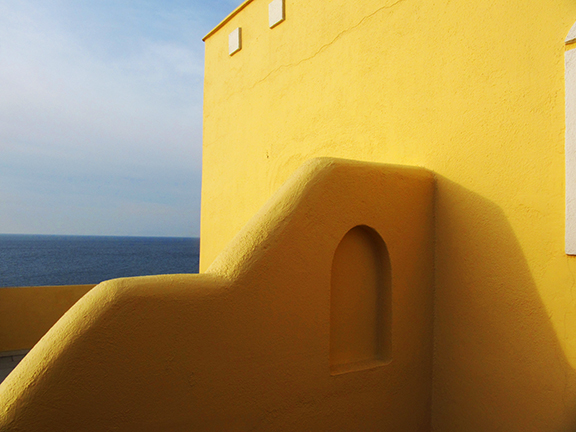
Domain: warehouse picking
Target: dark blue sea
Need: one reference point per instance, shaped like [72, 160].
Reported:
[32, 260]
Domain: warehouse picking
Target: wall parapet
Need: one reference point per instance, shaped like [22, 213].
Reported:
[227, 19]
[27, 313]
[248, 342]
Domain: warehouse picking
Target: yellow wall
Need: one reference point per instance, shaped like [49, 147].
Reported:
[248, 345]
[472, 90]
[27, 313]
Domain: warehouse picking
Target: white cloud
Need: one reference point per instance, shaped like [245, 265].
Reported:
[104, 96]
[56, 93]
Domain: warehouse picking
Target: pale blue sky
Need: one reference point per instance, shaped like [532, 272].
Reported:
[101, 115]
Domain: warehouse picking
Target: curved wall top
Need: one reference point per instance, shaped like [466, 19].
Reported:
[474, 91]
[247, 344]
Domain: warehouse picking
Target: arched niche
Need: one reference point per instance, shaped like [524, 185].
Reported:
[570, 143]
[360, 302]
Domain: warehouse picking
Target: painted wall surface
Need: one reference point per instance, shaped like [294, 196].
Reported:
[472, 90]
[246, 346]
[27, 313]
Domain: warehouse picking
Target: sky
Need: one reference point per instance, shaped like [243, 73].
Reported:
[101, 115]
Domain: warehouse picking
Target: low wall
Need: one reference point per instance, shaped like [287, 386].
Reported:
[316, 317]
[27, 313]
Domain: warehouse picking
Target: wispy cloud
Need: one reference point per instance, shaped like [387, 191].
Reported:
[102, 101]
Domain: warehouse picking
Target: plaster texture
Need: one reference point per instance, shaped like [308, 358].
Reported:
[246, 345]
[27, 313]
[9, 360]
[477, 92]
[360, 302]
[473, 91]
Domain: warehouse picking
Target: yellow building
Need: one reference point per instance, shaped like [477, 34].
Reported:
[387, 234]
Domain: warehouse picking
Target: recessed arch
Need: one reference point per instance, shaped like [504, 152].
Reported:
[360, 302]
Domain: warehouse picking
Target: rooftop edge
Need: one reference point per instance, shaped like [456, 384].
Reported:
[228, 18]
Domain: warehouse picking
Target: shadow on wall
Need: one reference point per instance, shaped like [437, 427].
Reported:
[247, 345]
[498, 361]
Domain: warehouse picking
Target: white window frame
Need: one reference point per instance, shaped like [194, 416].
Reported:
[570, 143]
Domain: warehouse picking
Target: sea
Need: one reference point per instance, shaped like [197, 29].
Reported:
[36, 260]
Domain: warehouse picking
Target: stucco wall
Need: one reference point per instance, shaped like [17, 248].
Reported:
[27, 313]
[473, 91]
[249, 345]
